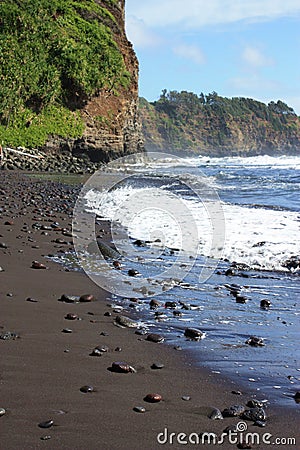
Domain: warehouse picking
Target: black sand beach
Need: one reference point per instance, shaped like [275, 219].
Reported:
[43, 367]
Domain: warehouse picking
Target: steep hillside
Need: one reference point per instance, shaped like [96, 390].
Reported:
[69, 77]
[214, 125]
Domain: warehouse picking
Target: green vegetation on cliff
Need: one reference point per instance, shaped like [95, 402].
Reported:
[54, 55]
[211, 124]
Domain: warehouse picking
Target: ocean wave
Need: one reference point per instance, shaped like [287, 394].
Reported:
[261, 238]
[283, 161]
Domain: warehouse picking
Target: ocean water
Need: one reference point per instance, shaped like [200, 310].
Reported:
[181, 224]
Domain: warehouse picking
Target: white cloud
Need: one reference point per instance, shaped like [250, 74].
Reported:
[198, 13]
[138, 33]
[255, 58]
[191, 52]
[252, 83]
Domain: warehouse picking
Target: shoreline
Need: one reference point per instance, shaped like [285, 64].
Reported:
[43, 370]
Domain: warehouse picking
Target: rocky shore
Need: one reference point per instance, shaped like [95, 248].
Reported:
[71, 379]
[63, 162]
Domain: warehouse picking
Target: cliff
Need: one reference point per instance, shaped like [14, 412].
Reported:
[182, 122]
[69, 78]
[112, 126]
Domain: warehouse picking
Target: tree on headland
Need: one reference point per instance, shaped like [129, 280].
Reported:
[281, 108]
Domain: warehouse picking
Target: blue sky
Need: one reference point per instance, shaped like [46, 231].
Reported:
[238, 48]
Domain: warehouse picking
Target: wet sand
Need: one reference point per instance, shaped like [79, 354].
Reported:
[42, 371]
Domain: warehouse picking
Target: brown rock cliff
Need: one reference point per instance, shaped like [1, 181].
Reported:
[112, 126]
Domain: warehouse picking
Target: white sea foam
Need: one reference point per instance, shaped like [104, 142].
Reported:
[288, 162]
[153, 214]
[276, 232]
[284, 161]
[247, 227]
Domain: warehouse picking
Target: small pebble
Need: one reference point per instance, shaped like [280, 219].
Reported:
[96, 352]
[117, 264]
[255, 341]
[69, 298]
[229, 272]
[254, 414]
[32, 300]
[153, 398]
[46, 424]
[194, 334]
[103, 348]
[297, 397]
[153, 337]
[264, 303]
[71, 316]
[86, 298]
[67, 330]
[157, 366]
[38, 265]
[125, 321]
[2, 412]
[260, 423]
[170, 305]
[154, 304]
[45, 438]
[132, 272]
[215, 414]
[122, 367]
[233, 411]
[86, 389]
[139, 409]
[186, 398]
[254, 404]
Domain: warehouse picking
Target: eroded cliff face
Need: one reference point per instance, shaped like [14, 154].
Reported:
[112, 125]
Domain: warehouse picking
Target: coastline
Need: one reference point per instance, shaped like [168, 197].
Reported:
[43, 370]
